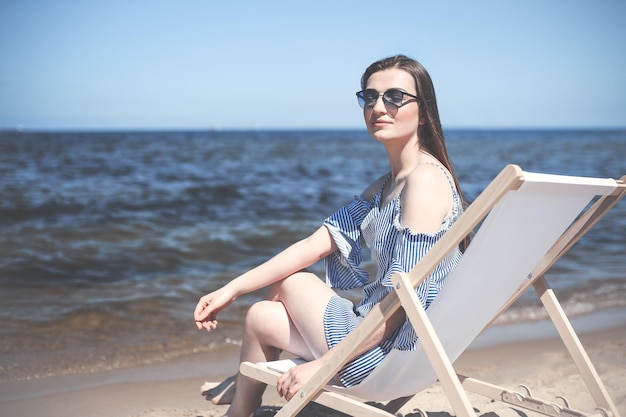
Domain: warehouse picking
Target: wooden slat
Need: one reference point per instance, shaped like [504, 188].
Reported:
[330, 399]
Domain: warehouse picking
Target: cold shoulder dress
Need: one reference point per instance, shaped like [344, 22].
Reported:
[393, 248]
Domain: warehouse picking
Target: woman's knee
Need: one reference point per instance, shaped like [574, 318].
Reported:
[263, 317]
[256, 313]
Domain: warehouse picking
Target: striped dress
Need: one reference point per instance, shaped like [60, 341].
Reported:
[393, 248]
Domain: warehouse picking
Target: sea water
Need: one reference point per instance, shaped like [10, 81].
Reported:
[109, 238]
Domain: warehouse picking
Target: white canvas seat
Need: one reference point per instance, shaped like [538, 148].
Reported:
[527, 221]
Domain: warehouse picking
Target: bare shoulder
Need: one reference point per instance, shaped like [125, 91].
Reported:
[427, 198]
[429, 178]
[428, 185]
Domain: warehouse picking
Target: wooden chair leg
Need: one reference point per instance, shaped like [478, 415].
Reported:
[574, 347]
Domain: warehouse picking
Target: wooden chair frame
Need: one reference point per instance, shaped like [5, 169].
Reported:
[454, 385]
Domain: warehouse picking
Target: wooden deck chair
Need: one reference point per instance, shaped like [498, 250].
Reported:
[527, 221]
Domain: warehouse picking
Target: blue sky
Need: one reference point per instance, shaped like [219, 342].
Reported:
[197, 64]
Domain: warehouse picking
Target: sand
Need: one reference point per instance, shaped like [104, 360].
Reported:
[172, 389]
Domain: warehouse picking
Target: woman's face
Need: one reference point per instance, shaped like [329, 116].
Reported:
[386, 122]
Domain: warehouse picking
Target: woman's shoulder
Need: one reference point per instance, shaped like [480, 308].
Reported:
[429, 180]
[427, 198]
[433, 173]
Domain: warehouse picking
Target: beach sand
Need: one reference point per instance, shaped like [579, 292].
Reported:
[172, 389]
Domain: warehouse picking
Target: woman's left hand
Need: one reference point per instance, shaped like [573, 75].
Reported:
[292, 381]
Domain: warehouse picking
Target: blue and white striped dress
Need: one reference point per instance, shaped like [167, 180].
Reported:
[393, 248]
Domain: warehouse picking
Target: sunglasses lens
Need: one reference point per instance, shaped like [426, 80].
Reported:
[361, 99]
[393, 97]
[367, 98]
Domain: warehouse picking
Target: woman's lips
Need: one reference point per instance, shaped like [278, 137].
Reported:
[380, 123]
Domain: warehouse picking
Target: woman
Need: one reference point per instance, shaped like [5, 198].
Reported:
[400, 217]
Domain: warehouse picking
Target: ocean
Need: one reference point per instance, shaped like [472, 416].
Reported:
[109, 238]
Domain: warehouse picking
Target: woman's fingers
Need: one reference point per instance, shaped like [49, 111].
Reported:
[292, 381]
[283, 384]
[204, 316]
[209, 324]
[201, 309]
[288, 384]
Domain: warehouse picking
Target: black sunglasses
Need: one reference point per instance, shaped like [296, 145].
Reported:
[393, 98]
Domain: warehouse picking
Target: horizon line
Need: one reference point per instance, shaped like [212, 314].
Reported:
[23, 129]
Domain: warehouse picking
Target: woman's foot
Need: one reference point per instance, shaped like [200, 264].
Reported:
[221, 393]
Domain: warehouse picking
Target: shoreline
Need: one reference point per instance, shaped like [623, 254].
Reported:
[220, 359]
[171, 388]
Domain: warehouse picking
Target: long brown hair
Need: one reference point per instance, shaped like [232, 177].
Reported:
[430, 133]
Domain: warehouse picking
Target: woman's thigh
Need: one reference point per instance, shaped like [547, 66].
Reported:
[305, 298]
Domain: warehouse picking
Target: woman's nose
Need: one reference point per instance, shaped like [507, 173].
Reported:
[379, 105]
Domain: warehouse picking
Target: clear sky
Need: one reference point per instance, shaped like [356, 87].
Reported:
[198, 64]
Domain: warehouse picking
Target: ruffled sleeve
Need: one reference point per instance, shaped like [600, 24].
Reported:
[409, 249]
[342, 266]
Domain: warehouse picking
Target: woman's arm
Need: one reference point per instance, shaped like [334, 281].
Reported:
[296, 257]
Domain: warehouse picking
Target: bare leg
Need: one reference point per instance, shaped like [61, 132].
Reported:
[292, 321]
